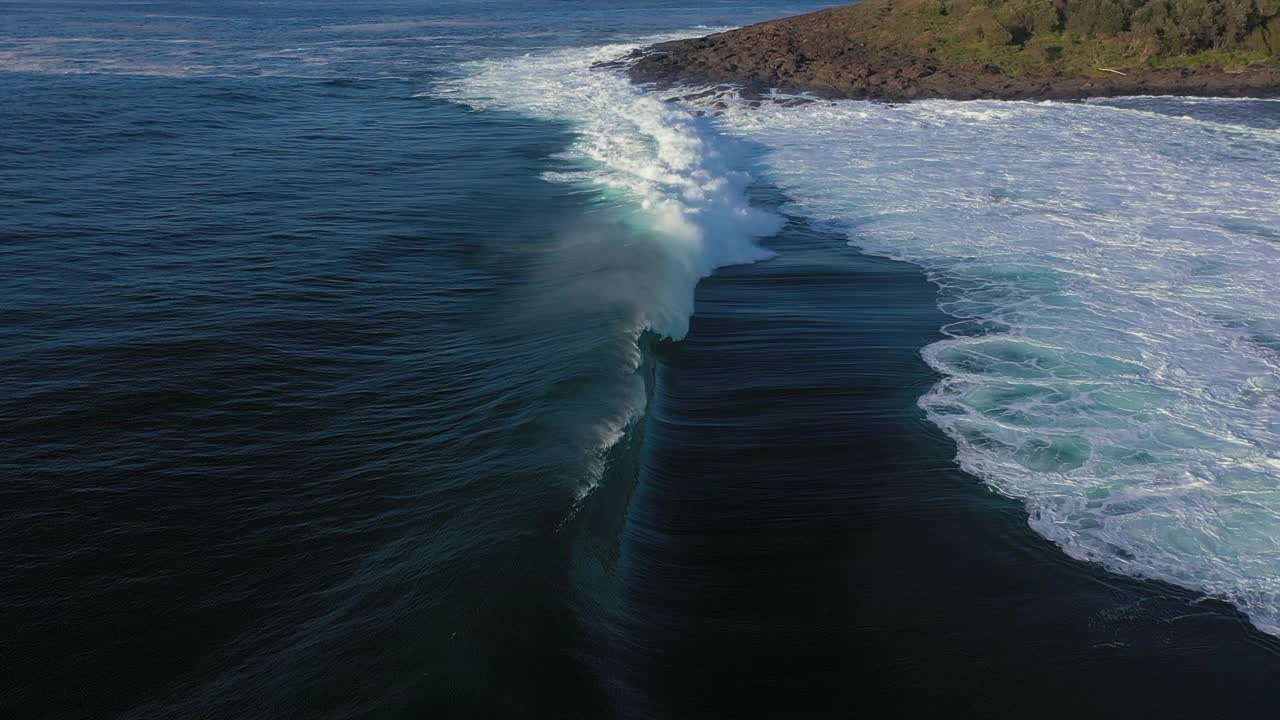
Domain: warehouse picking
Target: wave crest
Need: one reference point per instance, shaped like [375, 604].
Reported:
[676, 180]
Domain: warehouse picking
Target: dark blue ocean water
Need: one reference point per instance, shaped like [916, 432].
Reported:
[322, 397]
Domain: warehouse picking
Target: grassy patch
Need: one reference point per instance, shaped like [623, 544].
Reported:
[1216, 58]
[1042, 37]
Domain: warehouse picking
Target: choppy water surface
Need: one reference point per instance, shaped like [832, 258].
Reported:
[387, 360]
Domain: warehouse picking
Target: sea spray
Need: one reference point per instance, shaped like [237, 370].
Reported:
[679, 183]
[676, 198]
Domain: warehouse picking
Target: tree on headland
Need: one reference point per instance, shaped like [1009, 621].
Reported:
[1173, 26]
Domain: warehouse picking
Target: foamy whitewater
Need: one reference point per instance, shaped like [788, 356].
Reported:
[679, 176]
[1114, 274]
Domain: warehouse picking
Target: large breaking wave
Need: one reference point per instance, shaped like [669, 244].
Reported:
[677, 180]
[1114, 274]
[668, 187]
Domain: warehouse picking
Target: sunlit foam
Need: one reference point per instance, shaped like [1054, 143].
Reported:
[676, 174]
[1115, 275]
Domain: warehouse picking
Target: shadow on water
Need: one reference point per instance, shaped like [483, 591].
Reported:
[794, 539]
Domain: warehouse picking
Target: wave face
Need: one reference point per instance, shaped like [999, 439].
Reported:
[674, 181]
[1115, 277]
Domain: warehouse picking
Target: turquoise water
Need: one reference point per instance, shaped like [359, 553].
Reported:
[385, 360]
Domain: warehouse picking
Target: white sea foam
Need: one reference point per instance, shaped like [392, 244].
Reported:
[1115, 275]
[676, 176]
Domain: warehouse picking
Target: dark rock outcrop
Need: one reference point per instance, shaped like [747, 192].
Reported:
[828, 53]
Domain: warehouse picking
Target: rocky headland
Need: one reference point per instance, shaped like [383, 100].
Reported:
[1003, 49]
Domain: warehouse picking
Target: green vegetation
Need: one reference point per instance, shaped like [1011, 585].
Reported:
[1033, 37]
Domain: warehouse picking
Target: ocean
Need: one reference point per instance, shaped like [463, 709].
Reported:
[386, 360]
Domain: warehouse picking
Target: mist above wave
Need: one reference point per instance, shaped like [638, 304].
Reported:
[677, 182]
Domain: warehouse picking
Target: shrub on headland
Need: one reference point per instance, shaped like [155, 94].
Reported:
[1147, 27]
[1027, 17]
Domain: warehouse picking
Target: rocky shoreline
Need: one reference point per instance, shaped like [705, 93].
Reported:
[816, 53]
